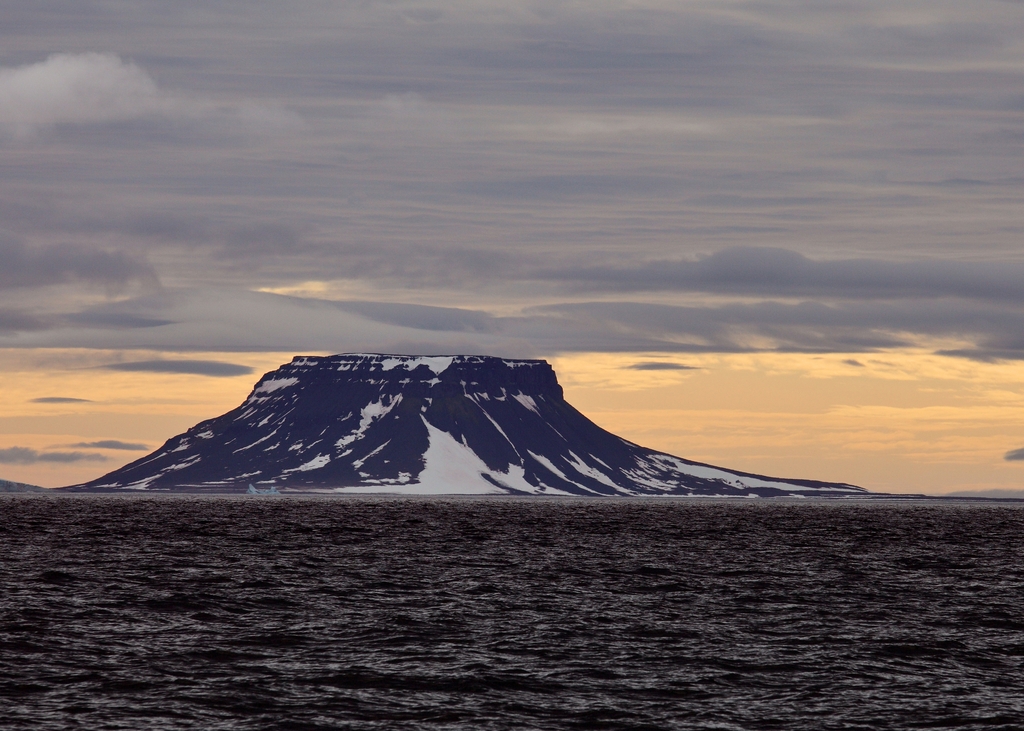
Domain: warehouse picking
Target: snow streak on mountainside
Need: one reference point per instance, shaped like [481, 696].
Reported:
[424, 425]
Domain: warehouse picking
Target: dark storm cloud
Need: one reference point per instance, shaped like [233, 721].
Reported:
[112, 444]
[1015, 455]
[60, 400]
[24, 455]
[184, 367]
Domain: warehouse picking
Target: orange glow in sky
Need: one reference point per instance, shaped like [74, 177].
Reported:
[895, 422]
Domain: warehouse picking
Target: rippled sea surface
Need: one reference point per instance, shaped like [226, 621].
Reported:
[292, 613]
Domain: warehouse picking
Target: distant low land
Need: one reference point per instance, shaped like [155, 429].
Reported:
[996, 494]
[8, 486]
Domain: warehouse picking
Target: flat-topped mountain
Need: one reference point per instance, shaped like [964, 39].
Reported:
[459, 424]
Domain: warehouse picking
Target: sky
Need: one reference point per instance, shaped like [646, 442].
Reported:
[781, 236]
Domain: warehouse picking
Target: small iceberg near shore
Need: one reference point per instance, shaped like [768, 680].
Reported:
[253, 490]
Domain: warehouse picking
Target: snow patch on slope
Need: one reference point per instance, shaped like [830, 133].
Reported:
[549, 466]
[321, 460]
[527, 401]
[452, 468]
[710, 473]
[495, 423]
[584, 469]
[358, 464]
[370, 413]
[275, 384]
[258, 441]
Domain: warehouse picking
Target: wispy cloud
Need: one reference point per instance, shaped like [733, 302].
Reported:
[60, 400]
[184, 367]
[26, 456]
[661, 366]
[98, 88]
[76, 88]
[219, 320]
[112, 444]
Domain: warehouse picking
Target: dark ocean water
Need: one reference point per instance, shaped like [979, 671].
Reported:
[291, 613]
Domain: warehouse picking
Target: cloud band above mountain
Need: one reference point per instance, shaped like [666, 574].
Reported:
[219, 320]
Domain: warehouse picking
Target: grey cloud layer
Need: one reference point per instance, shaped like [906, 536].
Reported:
[26, 266]
[237, 320]
[796, 175]
[767, 272]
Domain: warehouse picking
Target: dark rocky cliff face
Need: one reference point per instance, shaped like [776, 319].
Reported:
[423, 425]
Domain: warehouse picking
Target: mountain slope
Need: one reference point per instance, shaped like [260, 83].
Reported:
[424, 425]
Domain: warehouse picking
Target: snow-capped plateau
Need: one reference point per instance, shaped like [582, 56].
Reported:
[425, 425]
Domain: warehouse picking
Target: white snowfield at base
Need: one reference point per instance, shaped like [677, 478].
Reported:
[712, 473]
[452, 468]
